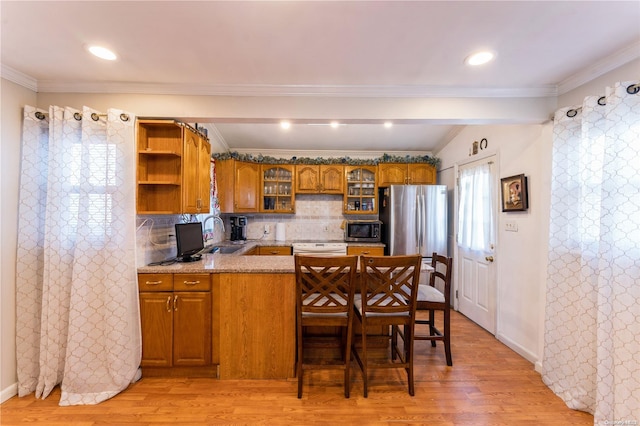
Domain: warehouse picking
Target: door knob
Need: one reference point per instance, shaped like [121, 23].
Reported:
[489, 258]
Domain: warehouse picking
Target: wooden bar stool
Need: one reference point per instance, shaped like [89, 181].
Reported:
[431, 299]
[388, 294]
[325, 288]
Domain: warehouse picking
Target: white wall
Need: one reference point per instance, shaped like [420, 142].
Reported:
[520, 262]
[522, 256]
[14, 97]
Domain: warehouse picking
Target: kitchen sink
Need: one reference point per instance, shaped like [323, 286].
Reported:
[225, 249]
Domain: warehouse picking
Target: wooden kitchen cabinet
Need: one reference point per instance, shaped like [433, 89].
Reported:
[197, 180]
[238, 186]
[256, 325]
[274, 250]
[157, 329]
[175, 315]
[173, 163]
[361, 191]
[319, 179]
[365, 250]
[277, 183]
[253, 251]
[405, 174]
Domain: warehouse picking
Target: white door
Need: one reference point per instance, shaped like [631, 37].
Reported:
[476, 220]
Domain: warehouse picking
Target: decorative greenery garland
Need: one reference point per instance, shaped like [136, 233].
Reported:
[386, 158]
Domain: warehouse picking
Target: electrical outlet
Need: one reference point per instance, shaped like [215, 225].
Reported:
[511, 226]
[266, 229]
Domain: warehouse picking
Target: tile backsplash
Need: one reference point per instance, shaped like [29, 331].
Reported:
[317, 218]
[155, 238]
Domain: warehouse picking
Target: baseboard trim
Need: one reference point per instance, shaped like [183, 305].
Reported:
[526, 354]
[9, 392]
[538, 367]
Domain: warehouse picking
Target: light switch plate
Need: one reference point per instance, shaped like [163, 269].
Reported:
[511, 226]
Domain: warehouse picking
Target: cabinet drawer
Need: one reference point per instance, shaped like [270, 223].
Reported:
[191, 282]
[155, 282]
[366, 251]
[274, 251]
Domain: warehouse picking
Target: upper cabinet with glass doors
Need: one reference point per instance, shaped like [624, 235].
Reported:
[361, 192]
[277, 186]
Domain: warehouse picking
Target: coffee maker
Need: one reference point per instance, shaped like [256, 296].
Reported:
[238, 228]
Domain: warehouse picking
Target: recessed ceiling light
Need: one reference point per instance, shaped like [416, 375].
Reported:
[103, 53]
[388, 124]
[285, 124]
[479, 58]
[334, 124]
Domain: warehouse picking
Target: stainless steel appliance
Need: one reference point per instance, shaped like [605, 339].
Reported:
[362, 230]
[320, 249]
[238, 228]
[414, 219]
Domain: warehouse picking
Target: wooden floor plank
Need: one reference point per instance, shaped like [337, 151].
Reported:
[489, 384]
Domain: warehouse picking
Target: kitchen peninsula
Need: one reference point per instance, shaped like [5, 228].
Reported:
[240, 323]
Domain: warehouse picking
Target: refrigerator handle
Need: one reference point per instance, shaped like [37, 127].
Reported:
[420, 221]
[416, 228]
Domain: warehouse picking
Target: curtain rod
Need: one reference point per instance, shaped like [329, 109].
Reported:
[632, 90]
[78, 116]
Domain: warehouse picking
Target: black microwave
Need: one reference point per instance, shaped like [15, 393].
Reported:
[362, 230]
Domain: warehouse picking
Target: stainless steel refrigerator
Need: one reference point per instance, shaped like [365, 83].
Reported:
[414, 219]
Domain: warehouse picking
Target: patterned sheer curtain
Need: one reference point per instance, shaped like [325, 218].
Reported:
[475, 211]
[76, 296]
[592, 331]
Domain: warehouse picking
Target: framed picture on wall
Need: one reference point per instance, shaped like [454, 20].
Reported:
[514, 193]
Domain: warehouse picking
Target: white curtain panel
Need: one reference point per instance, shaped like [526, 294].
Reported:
[592, 328]
[78, 321]
[475, 212]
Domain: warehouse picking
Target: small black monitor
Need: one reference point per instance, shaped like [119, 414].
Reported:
[189, 240]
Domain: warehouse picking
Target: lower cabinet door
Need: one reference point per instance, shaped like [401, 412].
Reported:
[156, 319]
[365, 250]
[191, 328]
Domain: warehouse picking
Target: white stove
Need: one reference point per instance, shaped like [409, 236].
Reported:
[320, 249]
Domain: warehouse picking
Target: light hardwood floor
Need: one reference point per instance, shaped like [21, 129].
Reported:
[489, 384]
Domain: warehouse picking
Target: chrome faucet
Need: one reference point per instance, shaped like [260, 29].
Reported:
[215, 218]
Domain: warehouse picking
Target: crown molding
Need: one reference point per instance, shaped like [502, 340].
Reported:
[601, 67]
[451, 134]
[19, 78]
[356, 91]
[215, 136]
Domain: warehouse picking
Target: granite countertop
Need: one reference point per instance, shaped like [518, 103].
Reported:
[236, 262]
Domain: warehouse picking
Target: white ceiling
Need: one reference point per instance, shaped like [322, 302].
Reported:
[370, 49]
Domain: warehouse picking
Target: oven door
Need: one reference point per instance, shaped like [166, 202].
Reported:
[320, 249]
